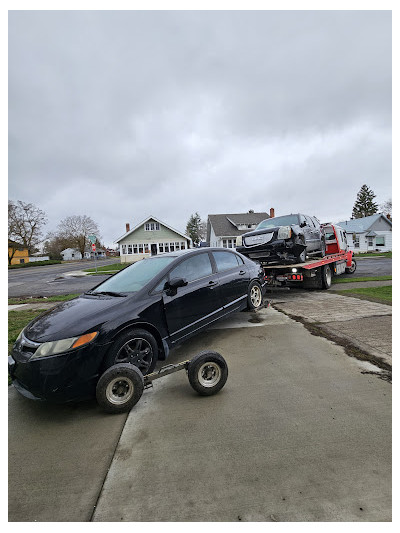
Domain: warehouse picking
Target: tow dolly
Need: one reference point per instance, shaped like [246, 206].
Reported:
[121, 386]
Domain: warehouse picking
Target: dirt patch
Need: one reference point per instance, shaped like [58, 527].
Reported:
[353, 351]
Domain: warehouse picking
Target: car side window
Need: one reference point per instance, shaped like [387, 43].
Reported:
[160, 286]
[309, 221]
[196, 267]
[225, 260]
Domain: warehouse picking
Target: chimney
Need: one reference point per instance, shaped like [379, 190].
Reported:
[127, 227]
[271, 212]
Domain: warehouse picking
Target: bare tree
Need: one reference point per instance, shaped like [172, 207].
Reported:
[76, 230]
[25, 222]
[387, 207]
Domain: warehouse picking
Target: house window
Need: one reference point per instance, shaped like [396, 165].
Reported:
[370, 241]
[380, 241]
[172, 247]
[356, 240]
[124, 249]
[183, 246]
[151, 226]
[129, 248]
[166, 247]
[140, 246]
[135, 248]
[228, 243]
[146, 249]
[161, 247]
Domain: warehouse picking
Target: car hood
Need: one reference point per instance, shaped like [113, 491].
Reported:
[72, 318]
[267, 230]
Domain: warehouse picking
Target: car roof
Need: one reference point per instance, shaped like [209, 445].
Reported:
[188, 251]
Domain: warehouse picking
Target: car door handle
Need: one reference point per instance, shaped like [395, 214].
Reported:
[212, 284]
[241, 272]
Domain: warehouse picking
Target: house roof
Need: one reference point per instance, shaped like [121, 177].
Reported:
[144, 222]
[361, 225]
[225, 225]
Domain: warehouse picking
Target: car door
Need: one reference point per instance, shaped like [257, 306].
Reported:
[197, 304]
[233, 278]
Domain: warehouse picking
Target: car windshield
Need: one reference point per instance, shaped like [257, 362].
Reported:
[286, 220]
[134, 277]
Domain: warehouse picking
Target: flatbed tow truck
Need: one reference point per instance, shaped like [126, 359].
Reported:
[314, 273]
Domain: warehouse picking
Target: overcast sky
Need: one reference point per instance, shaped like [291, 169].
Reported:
[119, 115]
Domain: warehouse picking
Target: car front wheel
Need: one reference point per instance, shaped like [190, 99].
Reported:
[137, 347]
[254, 296]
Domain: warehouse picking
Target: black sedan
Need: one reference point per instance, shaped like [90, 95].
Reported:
[135, 316]
[289, 238]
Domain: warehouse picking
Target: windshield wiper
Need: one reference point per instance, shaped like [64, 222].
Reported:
[107, 293]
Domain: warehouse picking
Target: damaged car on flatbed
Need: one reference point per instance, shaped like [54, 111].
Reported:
[288, 238]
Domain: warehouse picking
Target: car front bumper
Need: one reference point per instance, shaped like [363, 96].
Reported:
[59, 378]
[278, 250]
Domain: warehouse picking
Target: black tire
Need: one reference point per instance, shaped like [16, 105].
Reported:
[254, 296]
[326, 277]
[323, 248]
[207, 373]
[119, 388]
[137, 347]
[352, 268]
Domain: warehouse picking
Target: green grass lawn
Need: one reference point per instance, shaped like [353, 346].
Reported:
[115, 267]
[60, 298]
[375, 294]
[373, 254]
[351, 280]
[17, 320]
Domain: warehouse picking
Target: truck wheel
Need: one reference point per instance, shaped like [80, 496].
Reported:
[326, 277]
[119, 388]
[254, 296]
[351, 269]
[207, 373]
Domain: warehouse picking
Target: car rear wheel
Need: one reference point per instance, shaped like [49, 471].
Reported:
[137, 347]
[207, 373]
[119, 388]
[254, 296]
[323, 248]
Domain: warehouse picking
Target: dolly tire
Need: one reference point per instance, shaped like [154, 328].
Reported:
[119, 388]
[207, 373]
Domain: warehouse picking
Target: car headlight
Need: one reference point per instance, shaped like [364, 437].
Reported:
[284, 232]
[63, 345]
[239, 241]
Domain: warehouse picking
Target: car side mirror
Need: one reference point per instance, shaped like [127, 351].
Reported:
[172, 285]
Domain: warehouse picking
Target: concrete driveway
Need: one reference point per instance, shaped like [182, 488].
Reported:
[299, 433]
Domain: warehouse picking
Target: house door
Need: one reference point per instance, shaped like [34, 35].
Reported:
[153, 248]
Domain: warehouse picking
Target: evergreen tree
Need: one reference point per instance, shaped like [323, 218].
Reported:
[195, 229]
[365, 206]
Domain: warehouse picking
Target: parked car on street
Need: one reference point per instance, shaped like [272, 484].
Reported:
[284, 238]
[136, 316]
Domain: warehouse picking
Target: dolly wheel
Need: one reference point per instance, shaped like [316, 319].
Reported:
[207, 373]
[119, 388]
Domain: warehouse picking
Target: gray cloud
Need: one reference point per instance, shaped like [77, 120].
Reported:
[119, 115]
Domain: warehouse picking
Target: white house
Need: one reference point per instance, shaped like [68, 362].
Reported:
[223, 229]
[369, 234]
[70, 254]
[150, 237]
